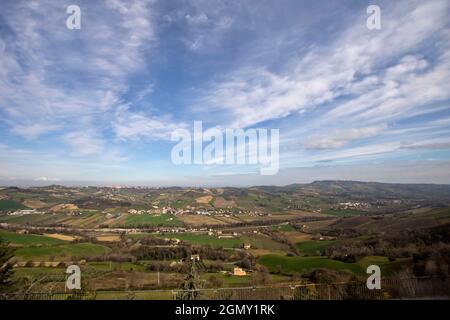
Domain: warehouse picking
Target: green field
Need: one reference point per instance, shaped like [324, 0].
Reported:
[387, 267]
[343, 212]
[143, 220]
[313, 246]
[202, 239]
[438, 213]
[138, 295]
[300, 264]
[240, 281]
[61, 252]
[29, 239]
[30, 219]
[108, 266]
[7, 205]
[260, 242]
[283, 227]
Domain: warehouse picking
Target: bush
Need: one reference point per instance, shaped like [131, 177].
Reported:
[215, 282]
[321, 275]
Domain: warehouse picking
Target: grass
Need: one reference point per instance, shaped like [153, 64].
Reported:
[260, 242]
[7, 205]
[115, 266]
[387, 267]
[142, 220]
[439, 213]
[343, 212]
[313, 246]
[29, 239]
[283, 227]
[38, 271]
[263, 242]
[291, 265]
[31, 219]
[61, 252]
[138, 295]
[300, 264]
[203, 239]
[230, 281]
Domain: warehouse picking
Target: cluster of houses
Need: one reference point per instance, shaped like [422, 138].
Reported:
[156, 210]
[354, 205]
[25, 212]
[134, 211]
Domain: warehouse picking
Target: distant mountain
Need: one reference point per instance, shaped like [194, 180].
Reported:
[383, 190]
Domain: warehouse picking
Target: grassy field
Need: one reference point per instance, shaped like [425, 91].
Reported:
[264, 242]
[314, 246]
[257, 241]
[31, 219]
[7, 205]
[116, 266]
[387, 267]
[438, 213]
[201, 239]
[241, 281]
[300, 264]
[198, 220]
[61, 252]
[29, 239]
[138, 295]
[283, 227]
[343, 212]
[150, 220]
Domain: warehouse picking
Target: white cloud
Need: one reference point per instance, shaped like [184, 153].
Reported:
[341, 137]
[31, 131]
[55, 79]
[131, 125]
[84, 143]
[198, 19]
[348, 67]
[46, 179]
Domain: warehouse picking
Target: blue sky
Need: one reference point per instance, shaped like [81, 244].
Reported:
[98, 105]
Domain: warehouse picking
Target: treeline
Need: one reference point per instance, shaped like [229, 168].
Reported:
[428, 248]
[182, 267]
[146, 252]
[265, 222]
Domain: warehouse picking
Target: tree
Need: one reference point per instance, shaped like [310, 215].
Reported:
[215, 282]
[6, 253]
[261, 276]
[191, 283]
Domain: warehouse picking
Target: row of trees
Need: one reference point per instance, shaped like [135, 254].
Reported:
[145, 252]
[428, 248]
[6, 253]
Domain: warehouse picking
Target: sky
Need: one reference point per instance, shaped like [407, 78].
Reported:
[98, 105]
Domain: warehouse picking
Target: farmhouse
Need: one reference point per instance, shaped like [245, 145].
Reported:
[239, 272]
[195, 257]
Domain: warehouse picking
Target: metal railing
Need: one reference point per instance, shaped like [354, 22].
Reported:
[408, 288]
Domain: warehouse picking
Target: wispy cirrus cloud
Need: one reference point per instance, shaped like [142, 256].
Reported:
[341, 137]
[103, 101]
[53, 77]
[357, 62]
